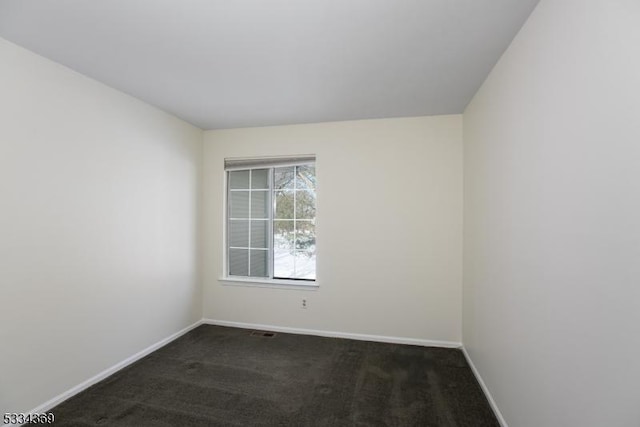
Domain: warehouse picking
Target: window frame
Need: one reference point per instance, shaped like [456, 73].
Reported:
[270, 281]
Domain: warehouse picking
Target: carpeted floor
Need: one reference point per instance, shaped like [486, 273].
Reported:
[216, 376]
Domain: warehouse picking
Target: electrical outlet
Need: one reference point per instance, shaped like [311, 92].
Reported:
[304, 303]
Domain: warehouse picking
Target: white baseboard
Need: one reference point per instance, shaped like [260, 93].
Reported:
[110, 371]
[335, 334]
[492, 402]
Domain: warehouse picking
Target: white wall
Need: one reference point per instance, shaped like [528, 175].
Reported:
[389, 228]
[99, 201]
[552, 219]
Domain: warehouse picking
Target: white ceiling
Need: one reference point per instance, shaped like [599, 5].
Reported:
[238, 63]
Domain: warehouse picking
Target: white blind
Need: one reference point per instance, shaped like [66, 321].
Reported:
[267, 162]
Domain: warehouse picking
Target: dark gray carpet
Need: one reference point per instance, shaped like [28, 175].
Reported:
[216, 376]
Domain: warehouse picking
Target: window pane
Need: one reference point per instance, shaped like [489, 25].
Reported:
[283, 177]
[306, 177]
[239, 233]
[259, 204]
[297, 265]
[283, 235]
[305, 235]
[239, 179]
[239, 262]
[305, 262]
[259, 234]
[284, 205]
[272, 219]
[305, 205]
[283, 263]
[260, 178]
[239, 204]
[259, 263]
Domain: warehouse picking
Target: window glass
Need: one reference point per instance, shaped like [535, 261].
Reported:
[306, 177]
[239, 233]
[271, 229]
[240, 204]
[238, 262]
[284, 204]
[239, 180]
[305, 204]
[260, 204]
[284, 178]
[260, 179]
[258, 265]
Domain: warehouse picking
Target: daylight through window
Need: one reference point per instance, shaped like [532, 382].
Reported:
[271, 218]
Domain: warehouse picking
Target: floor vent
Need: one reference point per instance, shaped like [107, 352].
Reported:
[264, 334]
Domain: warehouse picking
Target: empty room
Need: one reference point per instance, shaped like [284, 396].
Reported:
[320, 213]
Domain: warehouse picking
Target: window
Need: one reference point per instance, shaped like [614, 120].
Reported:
[271, 217]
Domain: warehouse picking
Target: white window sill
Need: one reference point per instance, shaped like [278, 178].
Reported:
[270, 283]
